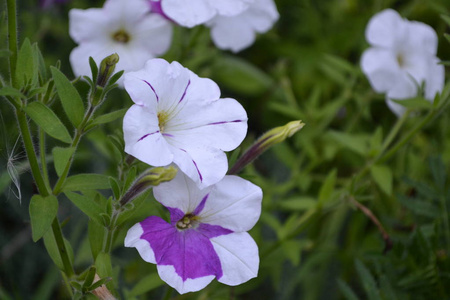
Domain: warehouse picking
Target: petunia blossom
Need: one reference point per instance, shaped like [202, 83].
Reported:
[238, 32]
[127, 28]
[195, 12]
[180, 118]
[206, 237]
[402, 58]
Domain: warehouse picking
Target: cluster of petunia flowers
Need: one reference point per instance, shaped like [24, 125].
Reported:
[179, 119]
[402, 61]
[138, 30]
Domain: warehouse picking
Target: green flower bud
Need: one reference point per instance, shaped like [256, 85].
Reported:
[107, 67]
[267, 140]
[148, 179]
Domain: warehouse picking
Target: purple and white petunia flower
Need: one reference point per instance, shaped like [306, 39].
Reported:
[402, 58]
[195, 12]
[238, 32]
[125, 27]
[206, 237]
[180, 118]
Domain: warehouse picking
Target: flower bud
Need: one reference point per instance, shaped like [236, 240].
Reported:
[267, 140]
[107, 67]
[148, 179]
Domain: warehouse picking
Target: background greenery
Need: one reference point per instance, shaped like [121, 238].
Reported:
[315, 240]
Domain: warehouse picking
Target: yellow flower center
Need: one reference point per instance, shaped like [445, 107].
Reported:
[187, 222]
[163, 117]
[400, 60]
[121, 36]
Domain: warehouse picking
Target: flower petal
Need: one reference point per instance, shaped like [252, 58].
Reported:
[238, 254]
[233, 203]
[143, 139]
[386, 29]
[436, 79]
[188, 13]
[422, 36]
[88, 25]
[404, 88]
[79, 57]
[171, 277]
[381, 68]
[160, 31]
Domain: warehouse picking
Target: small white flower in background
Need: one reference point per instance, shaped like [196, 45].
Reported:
[125, 27]
[206, 237]
[402, 58]
[189, 13]
[238, 32]
[179, 118]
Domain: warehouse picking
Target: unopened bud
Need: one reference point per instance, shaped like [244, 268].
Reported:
[148, 179]
[267, 140]
[107, 67]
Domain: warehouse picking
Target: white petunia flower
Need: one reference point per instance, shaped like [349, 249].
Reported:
[239, 32]
[206, 237]
[179, 118]
[189, 13]
[402, 57]
[125, 27]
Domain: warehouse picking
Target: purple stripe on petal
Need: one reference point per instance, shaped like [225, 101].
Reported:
[175, 214]
[200, 207]
[156, 95]
[185, 90]
[225, 122]
[212, 231]
[168, 134]
[146, 135]
[198, 171]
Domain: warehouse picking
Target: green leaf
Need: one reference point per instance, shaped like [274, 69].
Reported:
[299, 203]
[86, 182]
[438, 171]
[89, 278]
[382, 176]
[25, 68]
[11, 92]
[240, 76]
[43, 211]
[346, 290]
[368, 281]
[70, 98]
[87, 206]
[420, 207]
[146, 284]
[327, 188]
[446, 19]
[53, 251]
[96, 234]
[414, 103]
[114, 187]
[39, 59]
[357, 143]
[292, 249]
[112, 116]
[48, 121]
[61, 157]
[104, 267]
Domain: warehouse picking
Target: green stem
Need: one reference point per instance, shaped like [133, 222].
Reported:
[394, 132]
[79, 133]
[107, 247]
[12, 38]
[43, 158]
[68, 268]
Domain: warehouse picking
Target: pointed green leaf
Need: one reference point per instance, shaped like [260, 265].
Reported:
[382, 176]
[86, 205]
[446, 19]
[86, 182]
[346, 291]
[357, 143]
[39, 59]
[70, 98]
[327, 188]
[25, 68]
[61, 157]
[42, 212]
[112, 116]
[11, 92]
[414, 103]
[368, 281]
[96, 234]
[103, 264]
[45, 118]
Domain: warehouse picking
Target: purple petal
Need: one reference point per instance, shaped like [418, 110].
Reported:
[185, 90]
[156, 95]
[175, 214]
[190, 251]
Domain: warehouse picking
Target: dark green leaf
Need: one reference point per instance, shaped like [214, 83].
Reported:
[11, 92]
[86, 182]
[146, 284]
[70, 98]
[39, 59]
[89, 278]
[112, 116]
[382, 176]
[86, 205]
[53, 251]
[25, 68]
[368, 281]
[346, 291]
[327, 188]
[48, 121]
[357, 143]
[61, 157]
[99, 283]
[114, 187]
[438, 171]
[414, 103]
[94, 68]
[43, 211]
[96, 234]
[420, 207]
[298, 203]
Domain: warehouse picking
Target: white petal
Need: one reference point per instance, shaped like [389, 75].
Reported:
[385, 29]
[238, 254]
[435, 81]
[404, 88]
[168, 274]
[140, 92]
[204, 165]
[233, 203]
[79, 57]
[381, 68]
[188, 13]
[133, 239]
[153, 33]
[88, 25]
[230, 7]
[143, 139]
[181, 192]
[202, 89]
[422, 37]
